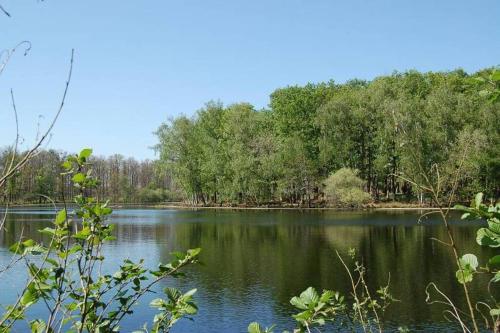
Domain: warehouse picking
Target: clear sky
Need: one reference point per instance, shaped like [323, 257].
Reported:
[137, 63]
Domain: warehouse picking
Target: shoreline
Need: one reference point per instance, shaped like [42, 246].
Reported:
[390, 206]
[185, 207]
[182, 206]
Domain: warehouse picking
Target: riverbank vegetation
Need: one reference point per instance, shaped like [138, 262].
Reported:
[122, 180]
[385, 129]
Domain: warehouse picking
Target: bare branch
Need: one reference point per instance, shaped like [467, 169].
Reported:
[8, 53]
[11, 171]
[4, 11]
[14, 151]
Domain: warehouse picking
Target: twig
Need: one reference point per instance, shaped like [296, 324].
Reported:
[355, 294]
[10, 52]
[10, 172]
[448, 302]
[4, 11]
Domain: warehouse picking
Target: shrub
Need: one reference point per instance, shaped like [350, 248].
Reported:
[344, 187]
[65, 272]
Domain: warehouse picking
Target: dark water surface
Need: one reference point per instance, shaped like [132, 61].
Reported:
[255, 261]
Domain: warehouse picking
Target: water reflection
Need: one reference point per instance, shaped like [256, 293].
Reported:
[255, 261]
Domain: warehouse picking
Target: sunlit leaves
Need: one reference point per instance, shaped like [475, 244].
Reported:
[79, 178]
[37, 326]
[176, 306]
[60, 217]
[488, 236]
[69, 278]
[317, 309]
[256, 328]
[29, 297]
[85, 154]
[468, 266]
[28, 246]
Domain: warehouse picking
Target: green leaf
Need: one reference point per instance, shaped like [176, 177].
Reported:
[157, 302]
[310, 296]
[495, 76]
[484, 93]
[29, 297]
[75, 248]
[320, 321]
[85, 153]
[48, 231]
[28, 242]
[464, 276]
[326, 296]
[52, 262]
[194, 252]
[190, 293]
[82, 234]
[494, 263]
[298, 303]
[79, 178]
[486, 237]
[494, 226]
[254, 328]
[478, 200]
[34, 250]
[16, 248]
[61, 217]
[495, 312]
[37, 326]
[469, 261]
[67, 165]
[303, 316]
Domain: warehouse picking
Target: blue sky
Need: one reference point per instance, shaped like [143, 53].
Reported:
[138, 63]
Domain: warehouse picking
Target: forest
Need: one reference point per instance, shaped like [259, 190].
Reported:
[390, 132]
[122, 180]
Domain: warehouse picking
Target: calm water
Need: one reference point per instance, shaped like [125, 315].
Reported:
[255, 261]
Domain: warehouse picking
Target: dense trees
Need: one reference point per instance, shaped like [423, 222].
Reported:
[393, 128]
[121, 180]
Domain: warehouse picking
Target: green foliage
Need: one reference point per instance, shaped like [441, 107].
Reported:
[149, 195]
[121, 180]
[317, 310]
[468, 266]
[400, 125]
[175, 307]
[65, 272]
[489, 83]
[488, 236]
[256, 328]
[346, 188]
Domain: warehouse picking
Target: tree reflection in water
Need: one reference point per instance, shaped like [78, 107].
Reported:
[255, 261]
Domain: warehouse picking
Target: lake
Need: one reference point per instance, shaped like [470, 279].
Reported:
[254, 261]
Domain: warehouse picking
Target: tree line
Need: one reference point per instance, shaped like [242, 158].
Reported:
[121, 180]
[391, 131]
